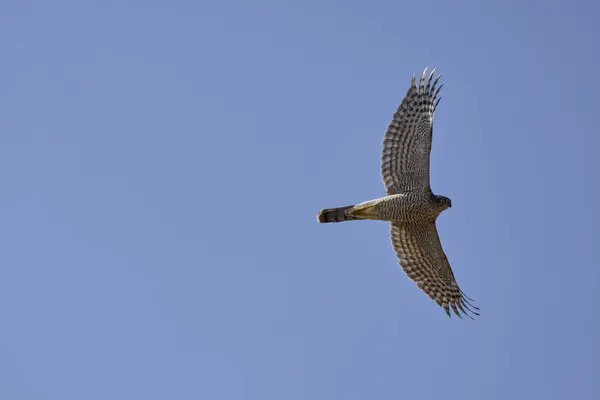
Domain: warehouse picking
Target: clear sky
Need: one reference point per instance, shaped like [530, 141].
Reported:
[162, 164]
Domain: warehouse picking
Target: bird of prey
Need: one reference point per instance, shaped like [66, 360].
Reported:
[410, 206]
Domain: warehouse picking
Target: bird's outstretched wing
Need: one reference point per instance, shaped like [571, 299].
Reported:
[407, 141]
[420, 253]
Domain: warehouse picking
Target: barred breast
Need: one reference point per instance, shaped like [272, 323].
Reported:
[405, 207]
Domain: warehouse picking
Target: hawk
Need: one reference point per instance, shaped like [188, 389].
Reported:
[410, 206]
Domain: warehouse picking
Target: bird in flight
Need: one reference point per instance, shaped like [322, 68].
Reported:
[410, 206]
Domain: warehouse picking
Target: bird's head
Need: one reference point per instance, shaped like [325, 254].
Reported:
[443, 202]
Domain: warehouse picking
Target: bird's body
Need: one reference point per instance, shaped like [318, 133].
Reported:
[410, 206]
[403, 207]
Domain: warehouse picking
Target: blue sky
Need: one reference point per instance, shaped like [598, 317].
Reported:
[162, 164]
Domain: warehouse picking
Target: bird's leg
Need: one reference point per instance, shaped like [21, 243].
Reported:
[366, 210]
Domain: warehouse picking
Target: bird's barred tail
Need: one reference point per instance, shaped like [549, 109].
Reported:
[335, 215]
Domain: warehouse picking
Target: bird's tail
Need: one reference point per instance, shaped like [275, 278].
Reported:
[364, 210]
[335, 215]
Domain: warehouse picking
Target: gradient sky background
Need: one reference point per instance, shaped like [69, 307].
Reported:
[162, 164]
